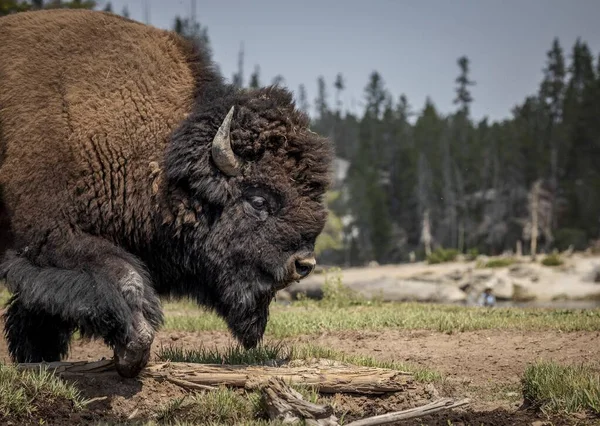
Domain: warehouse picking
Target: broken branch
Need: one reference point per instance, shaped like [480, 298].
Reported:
[433, 407]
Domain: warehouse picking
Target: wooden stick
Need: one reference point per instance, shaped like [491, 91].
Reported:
[285, 404]
[433, 407]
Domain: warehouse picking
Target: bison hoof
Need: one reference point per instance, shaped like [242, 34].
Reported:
[132, 357]
[129, 363]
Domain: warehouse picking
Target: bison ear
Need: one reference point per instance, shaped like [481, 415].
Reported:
[222, 154]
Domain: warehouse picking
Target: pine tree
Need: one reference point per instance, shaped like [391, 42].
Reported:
[375, 96]
[302, 98]
[238, 77]
[194, 32]
[321, 100]
[552, 92]
[403, 172]
[367, 174]
[582, 158]
[278, 80]
[255, 78]
[463, 95]
[339, 87]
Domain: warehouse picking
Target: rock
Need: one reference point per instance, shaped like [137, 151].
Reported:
[593, 276]
[480, 277]
[455, 275]
[426, 277]
[450, 294]
[522, 291]
[523, 271]
[502, 286]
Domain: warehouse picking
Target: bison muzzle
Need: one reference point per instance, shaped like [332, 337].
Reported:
[129, 170]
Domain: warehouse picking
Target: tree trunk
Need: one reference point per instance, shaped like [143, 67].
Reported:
[534, 218]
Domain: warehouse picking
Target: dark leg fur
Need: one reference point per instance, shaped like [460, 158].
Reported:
[6, 238]
[92, 284]
[35, 336]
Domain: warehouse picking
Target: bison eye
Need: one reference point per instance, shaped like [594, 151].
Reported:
[259, 203]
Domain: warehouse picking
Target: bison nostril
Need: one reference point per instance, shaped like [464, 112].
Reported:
[305, 266]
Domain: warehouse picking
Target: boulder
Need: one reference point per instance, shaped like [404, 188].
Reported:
[523, 291]
[593, 276]
[502, 286]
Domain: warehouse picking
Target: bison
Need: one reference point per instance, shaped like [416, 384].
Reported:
[130, 169]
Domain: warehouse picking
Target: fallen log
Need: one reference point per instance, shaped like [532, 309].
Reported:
[333, 378]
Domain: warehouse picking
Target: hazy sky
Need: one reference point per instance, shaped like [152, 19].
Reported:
[413, 44]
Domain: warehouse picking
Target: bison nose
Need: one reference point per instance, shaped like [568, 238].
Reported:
[304, 266]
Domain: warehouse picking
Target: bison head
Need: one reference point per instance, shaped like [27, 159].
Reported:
[245, 180]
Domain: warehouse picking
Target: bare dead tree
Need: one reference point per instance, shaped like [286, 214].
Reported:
[540, 201]
[426, 233]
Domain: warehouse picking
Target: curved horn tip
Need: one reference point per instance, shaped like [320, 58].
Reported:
[222, 153]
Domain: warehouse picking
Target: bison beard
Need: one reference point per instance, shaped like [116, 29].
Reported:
[148, 177]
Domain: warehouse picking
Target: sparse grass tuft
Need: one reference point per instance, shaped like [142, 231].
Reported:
[270, 354]
[233, 355]
[442, 255]
[25, 394]
[555, 388]
[336, 294]
[472, 254]
[553, 259]
[501, 262]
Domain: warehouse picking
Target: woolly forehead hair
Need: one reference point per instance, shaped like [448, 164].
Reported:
[270, 128]
[267, 130]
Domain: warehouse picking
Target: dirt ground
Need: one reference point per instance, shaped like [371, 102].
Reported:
[485, 366]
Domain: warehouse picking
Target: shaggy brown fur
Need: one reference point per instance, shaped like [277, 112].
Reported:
[109, 194]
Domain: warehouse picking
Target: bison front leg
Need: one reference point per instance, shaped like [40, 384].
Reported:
[87, 283]
[35, 336]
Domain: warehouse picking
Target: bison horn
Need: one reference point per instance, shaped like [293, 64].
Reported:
[222, 154]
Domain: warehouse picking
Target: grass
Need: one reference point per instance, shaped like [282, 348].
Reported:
[553, 259]
[31, 393]
[278, 353]
[233, 355]
[555, 388]
[442, 255]
[344, 309]
[312, 317]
